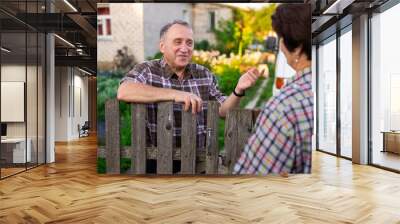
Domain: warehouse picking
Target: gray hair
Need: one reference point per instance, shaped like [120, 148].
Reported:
[165, 28]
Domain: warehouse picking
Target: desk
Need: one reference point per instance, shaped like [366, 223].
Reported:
[13, 150]
[391, 141]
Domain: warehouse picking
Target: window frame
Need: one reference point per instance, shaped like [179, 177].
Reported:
[333, 37]
[103, 19]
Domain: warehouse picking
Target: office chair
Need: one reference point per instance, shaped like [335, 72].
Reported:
[84, 130]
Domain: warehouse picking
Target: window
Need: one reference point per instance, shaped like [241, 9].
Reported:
[385, 89]
[103, 23]
[394, 102]
[327, 96]
[211, 16]
[335, 108]
[346, 93]
[22, 65]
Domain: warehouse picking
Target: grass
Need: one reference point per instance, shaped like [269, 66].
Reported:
[267, 93]
[125, 165]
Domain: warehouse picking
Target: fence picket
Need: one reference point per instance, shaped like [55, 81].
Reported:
[112, 137]
[188, 139]
[165, 124]
[138, 122]
[212, 138]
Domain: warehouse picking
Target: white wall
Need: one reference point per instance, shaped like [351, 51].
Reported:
[126, 29]
[79, 117]
[12, 73]
[69, 85]
[61, 104]
[201, 19]
[33, 126]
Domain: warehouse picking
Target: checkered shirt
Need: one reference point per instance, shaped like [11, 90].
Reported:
[283, 132]
[197, 80]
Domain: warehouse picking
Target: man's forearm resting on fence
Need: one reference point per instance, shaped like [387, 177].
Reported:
[142, 93]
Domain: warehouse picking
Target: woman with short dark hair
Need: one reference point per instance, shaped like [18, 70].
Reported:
[281, 142]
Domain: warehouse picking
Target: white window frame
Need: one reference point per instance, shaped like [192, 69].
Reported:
[103, 19]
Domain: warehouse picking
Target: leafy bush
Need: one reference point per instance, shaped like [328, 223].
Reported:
[158, 55]
[225, 36]
[234, 36]
[203, 45]
[125, 165]
[107, 86]
[227, 78]
[229, 69]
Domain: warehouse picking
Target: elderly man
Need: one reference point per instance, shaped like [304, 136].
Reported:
[174, 78]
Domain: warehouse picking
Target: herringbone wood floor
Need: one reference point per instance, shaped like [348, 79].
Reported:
[70, 191]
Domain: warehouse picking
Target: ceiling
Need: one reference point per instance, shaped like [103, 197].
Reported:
[72, 20]
[328, 16]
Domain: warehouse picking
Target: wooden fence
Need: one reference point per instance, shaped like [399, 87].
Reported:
[238, 127]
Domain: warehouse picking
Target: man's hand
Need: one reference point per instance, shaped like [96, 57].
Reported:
[189, 99]
[284, 174]
[248, 79]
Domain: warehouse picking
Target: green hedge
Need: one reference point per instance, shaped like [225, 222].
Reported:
[125, 165]
[107, 86]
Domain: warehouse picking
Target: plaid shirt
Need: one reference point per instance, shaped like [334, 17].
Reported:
[283, 132]
[197, 80]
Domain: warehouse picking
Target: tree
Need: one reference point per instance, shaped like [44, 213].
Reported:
[225, 37]
[262, 22]
[235, 35]
[243, 30]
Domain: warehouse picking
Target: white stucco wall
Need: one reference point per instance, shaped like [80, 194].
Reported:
[201, 20]
[126, 29]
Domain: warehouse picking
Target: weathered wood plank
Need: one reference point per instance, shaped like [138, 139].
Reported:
[231, 137]
[188, 139]
[112, 136]
[244, 127]
[139, 114]
[165, 128]
[151, 153]
[212, 138]
[256, 112]
[238, 128]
